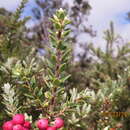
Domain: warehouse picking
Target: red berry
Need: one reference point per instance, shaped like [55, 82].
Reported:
[17, 127]
[19, 119]
[8, 125]
[59, 122]
[42, 123]
[27, 124]
[52, 128]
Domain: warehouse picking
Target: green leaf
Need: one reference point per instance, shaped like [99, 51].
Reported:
[45, 104]
[49, 64]
[61, 90]
[65, 55]
[65, 78]
[47, 83]
[53, 41]
[33, 82]
[62, 67]
[58, 26]
[67, 21]
[50, 72]
[52, 20]
[51, 32]
[29, 96]
[62, 16]
[48, 95]
[66, 33]
[36, 90]
[55, 19]
[40, 93]
[53, 59]
[62, 46]
[56, 82]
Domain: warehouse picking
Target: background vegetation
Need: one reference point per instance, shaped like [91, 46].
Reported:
[34, 69]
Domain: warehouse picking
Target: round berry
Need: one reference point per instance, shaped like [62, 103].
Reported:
[59, 122]
[17, 127]
[19, 119]
[42, 123]
[8, 125]
[52, 128]
[27, 124]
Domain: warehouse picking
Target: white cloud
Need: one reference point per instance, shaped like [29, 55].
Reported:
[10, 5]
[104, 11]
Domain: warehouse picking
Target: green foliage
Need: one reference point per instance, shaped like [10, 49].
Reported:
[12, 39]
[54, 86]
[50, 97]
[10, 99]
[78, 12]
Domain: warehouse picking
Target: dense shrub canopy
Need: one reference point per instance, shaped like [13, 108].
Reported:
[92, 93]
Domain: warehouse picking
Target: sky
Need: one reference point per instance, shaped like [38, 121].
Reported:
[9, 4]
[103, 11]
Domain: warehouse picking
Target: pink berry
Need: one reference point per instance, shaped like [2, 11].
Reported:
[8, 125]
[42, 123]
[19, 119]
[52, 128]
[27, 124]
[59, 122]
[17, 127]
